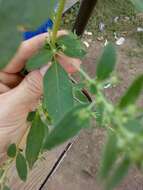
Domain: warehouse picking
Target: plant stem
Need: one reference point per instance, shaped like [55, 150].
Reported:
[82, 72]
[58, 20]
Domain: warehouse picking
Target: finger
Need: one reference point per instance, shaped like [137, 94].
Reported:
[71, 65]
[19, 101]
[3, 88]
[27, 50]
[10, 80]
[22, 98]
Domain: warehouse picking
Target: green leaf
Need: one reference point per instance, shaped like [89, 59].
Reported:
[93, 89]
[106, 63]
[71, 46]
[6, 188]
[79, 96]
[58, 97]
[132, 93]
[11, 152]
[40, 59]
[31, 116]
[118, 174]
[109, 157]
[17, 16]
[21, 166]
[138, 4]
[34, 140]
[1, 172]
[134, 126]
[68, 127]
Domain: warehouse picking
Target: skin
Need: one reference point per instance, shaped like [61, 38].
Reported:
[19, 96]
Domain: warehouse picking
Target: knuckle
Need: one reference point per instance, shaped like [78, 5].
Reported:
[34, 83]
[24, 47]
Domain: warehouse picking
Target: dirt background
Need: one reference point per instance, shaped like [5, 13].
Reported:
[80, 167]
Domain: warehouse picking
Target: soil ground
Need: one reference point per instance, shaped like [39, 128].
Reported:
[80, 167]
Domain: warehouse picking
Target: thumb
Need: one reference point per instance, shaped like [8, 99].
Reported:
[30, 90]
[15, 105]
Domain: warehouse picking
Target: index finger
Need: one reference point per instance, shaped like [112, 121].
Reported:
[26, 50]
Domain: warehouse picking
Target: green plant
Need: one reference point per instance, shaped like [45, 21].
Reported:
[68, 111]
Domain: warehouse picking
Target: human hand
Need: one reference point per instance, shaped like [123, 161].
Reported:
[19, 96]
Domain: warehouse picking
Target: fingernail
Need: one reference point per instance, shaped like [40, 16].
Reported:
[44, 69]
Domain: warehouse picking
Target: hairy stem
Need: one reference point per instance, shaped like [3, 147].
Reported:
[82, 72]
[58, 20]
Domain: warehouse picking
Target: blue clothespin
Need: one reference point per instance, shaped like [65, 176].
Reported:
[40, 30]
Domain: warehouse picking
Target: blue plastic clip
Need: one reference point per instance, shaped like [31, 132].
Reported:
[40, 30]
